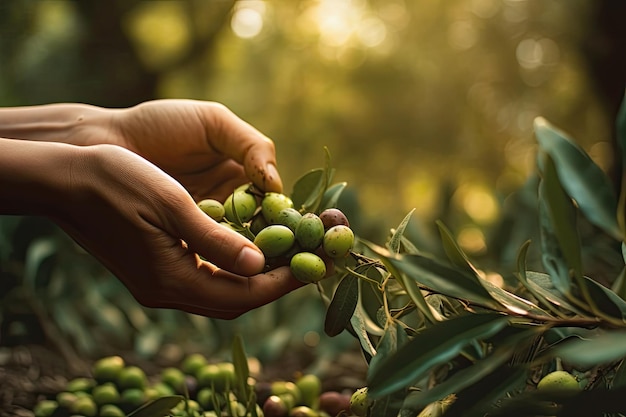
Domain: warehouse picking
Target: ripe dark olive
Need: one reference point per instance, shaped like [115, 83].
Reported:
[275, 406]
[335, 403]
[333, 217]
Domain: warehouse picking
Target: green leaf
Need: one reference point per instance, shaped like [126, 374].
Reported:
[443, 278]
[606, 300]
[342, 306]
[388, 406]
[562, 216]
[431, 347]
[452, 249]
[393, 337]
[543, 285]
[599, 349]
[619, 285]
[478, 400]
[331, 196]
[513, 302]
[396, 239]
[473, 374]
[583, 180]
[309, 190]
[240, 363]
[359, 328]
[159, 407]
[409, 284]
[595, 402]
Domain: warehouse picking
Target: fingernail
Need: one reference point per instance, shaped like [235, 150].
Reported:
[249, 261]
[271, 175]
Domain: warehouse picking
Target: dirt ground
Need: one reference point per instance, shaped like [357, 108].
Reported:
[29, 373]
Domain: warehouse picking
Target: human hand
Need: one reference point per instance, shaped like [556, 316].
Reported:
[146, 228]
[134, 217]
[203, 145]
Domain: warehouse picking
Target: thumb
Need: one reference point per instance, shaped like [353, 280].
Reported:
[220, 245]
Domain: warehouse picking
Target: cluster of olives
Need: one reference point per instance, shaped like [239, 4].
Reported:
[283, 233]
[116, 389]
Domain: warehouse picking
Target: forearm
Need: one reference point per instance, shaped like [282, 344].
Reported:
[35, 177]
[77, 124]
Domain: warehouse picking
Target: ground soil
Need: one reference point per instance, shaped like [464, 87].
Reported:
[31, 372]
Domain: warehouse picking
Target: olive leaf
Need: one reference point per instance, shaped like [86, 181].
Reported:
[432, 346]
[583, 180]
[331, 196]
[602, 348]
[409, 284]
[502, 353]
[242, 372]
[452, 249]
[357, 323]
[159, 407]
[309, 190]
[393, 337]
[342, 305]
[396, 238]
[479, 399]
[443, 278]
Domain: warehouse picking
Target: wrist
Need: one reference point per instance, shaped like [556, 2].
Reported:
[76, 124]
[36, 177]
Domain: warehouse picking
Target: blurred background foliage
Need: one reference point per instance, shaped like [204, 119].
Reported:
[422, 104]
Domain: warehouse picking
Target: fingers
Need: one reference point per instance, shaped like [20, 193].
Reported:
[219, 245]
[225, 295]
[237, 139]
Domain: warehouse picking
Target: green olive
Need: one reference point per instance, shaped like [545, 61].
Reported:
[107, 369]
[240, 206]
[106, 393]
[272, 203]
[307, 267]
[359, 402]
[274, 240]
[192, 363]
[45, 408]
[111, 410]
[84, 406]
[310, 232]
[338, 241]
[558, 380]
[132, 377]
[213, 208]
[133, 397]
[310, 388]
[289, 217]
[175, 378]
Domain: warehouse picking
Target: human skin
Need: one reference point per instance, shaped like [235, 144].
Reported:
[124, 183]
